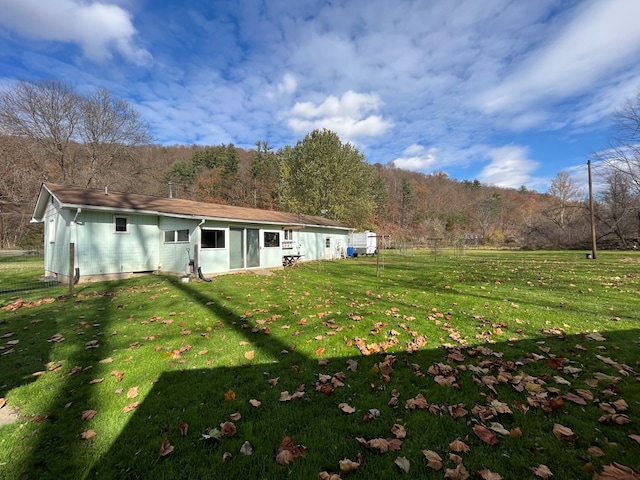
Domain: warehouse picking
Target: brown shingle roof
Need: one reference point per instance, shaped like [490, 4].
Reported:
[77, 197]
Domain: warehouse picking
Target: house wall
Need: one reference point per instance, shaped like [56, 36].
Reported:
[313, 240]
[56, 240]
[101, 250]
[175, 256]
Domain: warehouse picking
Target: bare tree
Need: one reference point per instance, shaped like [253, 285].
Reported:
[108, 127]
[623, 152]
[43, 115]
[566, 195]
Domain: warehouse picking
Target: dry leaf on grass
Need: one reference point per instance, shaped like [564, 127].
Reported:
[458, 473]
[184, 429]
[227, 429]
[399, 431]
[563, 433]
[250, 355]
[403, 464]
[616, 471]
[433, 459]
[132, 392]
[346, 408]
[87, 434]
[165, 448]
[89, 414]
[229, 396]
[246, 449]
[131, 406]
[542, 471]
[486, 435]
[255, 403]
[458, 446]
[347, 465]
[486, 474]
[328, 476]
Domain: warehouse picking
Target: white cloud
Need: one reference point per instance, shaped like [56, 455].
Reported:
[288, 84]
[590, 48]
[98, 28]
[350, 116]
[509, 167]
[417, 158]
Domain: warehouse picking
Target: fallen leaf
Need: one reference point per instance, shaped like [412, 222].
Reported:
[617, 418]
[226, 456]
[96, 381]
[352, 365]
[346, 408]
[595, 451]
[229, 396]
[132, 392]
[486, 474]
[458, 473]
[616, 471]
[235, 416]
[486, 435]
[87, 434]
[347, 465]
[131, 406]
[246, 449]
[250, 355]
[88, 414]
[328, 476]
[227, 429]
[433, 459]
[255, 403]
[563, 433]
[542, 471]
[284, 457]
[399, 431]
[458, 446]
[635, 437]
[184, 428]
[403, 464]
[165, 448]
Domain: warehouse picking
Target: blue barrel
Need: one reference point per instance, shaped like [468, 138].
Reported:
[349, 251]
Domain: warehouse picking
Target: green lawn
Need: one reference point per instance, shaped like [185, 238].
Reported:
[492, 349]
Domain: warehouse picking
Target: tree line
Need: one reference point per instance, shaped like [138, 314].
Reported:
[51, 133]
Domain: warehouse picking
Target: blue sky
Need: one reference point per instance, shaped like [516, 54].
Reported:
[509, 92]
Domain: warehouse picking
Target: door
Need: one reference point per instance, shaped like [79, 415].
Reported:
[253, 247]
[236, 248]
[244, 248]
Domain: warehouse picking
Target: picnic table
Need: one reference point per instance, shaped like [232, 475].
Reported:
[290, 260]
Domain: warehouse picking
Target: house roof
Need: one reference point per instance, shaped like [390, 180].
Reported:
[119, 202]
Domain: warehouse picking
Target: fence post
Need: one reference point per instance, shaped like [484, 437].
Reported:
[72, 255]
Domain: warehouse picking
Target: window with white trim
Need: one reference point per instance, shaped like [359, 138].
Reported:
[271, 239]
[121, 224]
[51, 226]
[176, 236]
[212, 239]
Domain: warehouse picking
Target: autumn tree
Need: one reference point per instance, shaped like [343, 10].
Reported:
[566, 195]
[264, 174]
[322, 175]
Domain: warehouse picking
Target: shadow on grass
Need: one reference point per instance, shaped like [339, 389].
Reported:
[197, 397]
[54, 403]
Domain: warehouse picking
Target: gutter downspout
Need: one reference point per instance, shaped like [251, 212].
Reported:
[76, 276]
[197, 255]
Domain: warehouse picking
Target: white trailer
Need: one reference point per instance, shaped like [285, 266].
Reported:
[363, 243]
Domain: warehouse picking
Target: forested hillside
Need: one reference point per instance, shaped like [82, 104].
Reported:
[96, 140]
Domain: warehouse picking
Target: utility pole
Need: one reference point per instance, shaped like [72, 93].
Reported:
[592, 213]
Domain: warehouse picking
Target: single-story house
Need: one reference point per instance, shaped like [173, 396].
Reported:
[117, 235]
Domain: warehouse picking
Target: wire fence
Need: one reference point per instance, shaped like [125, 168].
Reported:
[22, 276]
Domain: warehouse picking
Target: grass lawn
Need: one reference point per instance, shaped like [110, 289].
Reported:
[508, 365]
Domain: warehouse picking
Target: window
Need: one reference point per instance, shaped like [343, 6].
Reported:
[271, 239]
[173, 236]
[328, 243]
[122, 224]
[52, 231]
[213, 239]
[288, 234]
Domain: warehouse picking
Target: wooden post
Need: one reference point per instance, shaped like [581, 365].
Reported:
[72, 256]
